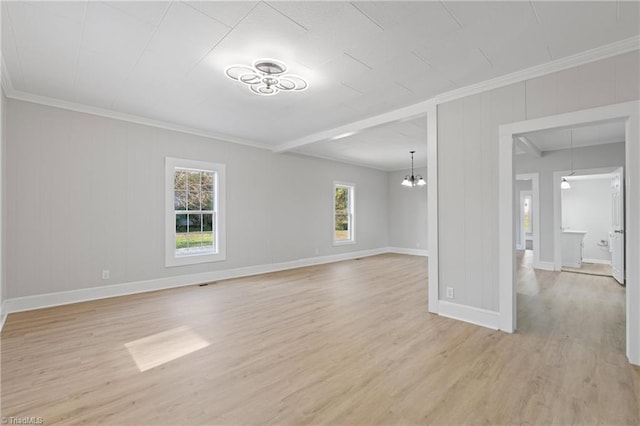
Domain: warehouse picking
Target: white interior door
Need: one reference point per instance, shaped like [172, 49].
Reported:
[617, 226]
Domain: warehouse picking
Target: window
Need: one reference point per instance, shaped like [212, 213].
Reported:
[343, 213]
[526, 214]
[195, 212]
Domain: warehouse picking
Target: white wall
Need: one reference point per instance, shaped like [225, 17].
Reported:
[407, 211]
[587, 206]
[468, 164]
[521, 185]
[593, 157]
[85, 193]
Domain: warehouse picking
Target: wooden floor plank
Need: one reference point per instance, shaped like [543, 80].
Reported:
[344, 343]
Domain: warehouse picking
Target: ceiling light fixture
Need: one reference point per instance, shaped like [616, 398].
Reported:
[267, 77]
[413, 180]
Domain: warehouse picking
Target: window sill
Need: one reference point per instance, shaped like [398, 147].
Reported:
[343, 243]
[194, 259]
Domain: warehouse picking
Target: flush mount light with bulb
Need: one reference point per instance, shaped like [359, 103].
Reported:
[267, 77]
[413, 180]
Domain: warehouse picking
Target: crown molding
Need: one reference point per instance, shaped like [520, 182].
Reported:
[599, 53]
[131, 118]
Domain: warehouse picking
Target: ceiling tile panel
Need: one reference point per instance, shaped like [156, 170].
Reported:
[9, 51]
[424, 19]
[71, 10]
[229, 13]
[41, 32]
[263, 33]
[148, 12]
[488, 14]
[338, 22]
[99, 80]
[115, 34]
[57, 82]
[172, 42]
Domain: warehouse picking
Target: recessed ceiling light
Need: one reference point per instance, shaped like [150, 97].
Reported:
[267, 77]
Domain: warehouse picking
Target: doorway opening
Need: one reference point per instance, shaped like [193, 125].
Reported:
[591, 222]
[527, 217]
[626, 113]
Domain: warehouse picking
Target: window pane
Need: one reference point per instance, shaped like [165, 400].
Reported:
[194, 181]
[195, 221]
[196, 242]
[182, 242]
[193, 199]
[206, 200]
[207, 222]
[342, 200]
[180, 180]
[207, 240]
[180, 200]
[181, 223]
[207, 182]
[342, 227]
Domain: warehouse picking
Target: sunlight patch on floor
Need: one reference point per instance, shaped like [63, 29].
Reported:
[160, 348]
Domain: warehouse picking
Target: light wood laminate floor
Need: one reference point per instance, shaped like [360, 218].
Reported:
[343, 343]
[590, 268]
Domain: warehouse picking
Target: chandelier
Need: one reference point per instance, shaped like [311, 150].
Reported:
[267, 77]
[413, 180]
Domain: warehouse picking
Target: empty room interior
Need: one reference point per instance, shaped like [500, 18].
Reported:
[288, 212]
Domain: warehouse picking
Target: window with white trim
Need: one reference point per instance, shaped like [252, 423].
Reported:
[195, 225]
[343, 213]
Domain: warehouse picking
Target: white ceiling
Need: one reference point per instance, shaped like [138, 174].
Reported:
[593, 134]
[592, 176]
[165, 60]
[383, 147]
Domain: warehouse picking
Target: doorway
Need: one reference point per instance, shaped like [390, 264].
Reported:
[590, 207]
[527, 216]
[629, 112]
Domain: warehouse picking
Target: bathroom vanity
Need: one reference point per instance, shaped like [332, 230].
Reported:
[572, 244]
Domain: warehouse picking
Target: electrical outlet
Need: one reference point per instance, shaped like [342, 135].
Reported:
[449, 292]
[317, 252]
[417, 245]
[105, 274]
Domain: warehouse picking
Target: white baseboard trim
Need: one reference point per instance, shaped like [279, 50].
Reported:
[600, 261]
[545, 266]
[3, 314]
[28, 303]
[470, 314]
[402, 250]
